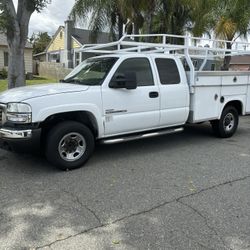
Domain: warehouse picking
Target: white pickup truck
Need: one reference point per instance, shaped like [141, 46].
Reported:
[115, 98]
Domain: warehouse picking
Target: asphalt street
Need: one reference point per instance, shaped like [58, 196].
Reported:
[183, 191]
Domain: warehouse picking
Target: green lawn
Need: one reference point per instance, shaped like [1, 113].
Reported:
[36, 80]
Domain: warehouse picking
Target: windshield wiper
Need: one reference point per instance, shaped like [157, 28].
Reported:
[81, 82]
[72, 81]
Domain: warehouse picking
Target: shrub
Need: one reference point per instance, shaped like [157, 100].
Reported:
[3, 74]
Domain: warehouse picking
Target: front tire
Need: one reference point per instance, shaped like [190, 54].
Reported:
[228, 123]
[69, 145]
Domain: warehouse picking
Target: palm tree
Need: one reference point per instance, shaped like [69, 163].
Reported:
[132, 11]
[227, 19]
[232, 19]
[172, 16]
[201, 15]
[113, 15]
[103, 14]
[150, 11]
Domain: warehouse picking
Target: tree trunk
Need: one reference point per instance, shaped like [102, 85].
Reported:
[17, 38]
[120, 26]
[227, 59]
[149, 25]
[16, 69]
[136, 31]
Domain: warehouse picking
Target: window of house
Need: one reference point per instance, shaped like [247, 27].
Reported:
[54, 57]
[213, 67]
[168, 71]
[61, 35]
[6, 59]
[141, 67]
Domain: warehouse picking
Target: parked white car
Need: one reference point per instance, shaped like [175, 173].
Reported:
[119, 97]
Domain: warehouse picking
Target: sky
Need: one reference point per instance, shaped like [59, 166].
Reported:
[50, 18]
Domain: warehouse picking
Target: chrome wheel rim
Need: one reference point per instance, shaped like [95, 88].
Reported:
[72, 147]
[229, 122]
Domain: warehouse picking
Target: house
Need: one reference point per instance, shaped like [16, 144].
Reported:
[240, 63]
[4, 54]
[65, 42]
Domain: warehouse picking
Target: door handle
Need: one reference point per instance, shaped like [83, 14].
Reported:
[153, 94]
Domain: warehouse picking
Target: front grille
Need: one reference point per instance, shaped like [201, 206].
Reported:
[2, 114]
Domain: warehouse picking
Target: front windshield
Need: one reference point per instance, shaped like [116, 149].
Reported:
[91, 71]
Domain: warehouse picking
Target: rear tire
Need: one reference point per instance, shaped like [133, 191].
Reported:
[228, 123]
[69, 145]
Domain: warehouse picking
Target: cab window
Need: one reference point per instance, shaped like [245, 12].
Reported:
[168, 71]
[141, 67]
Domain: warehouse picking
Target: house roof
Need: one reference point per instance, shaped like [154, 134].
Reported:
[40, 54]
[244, 60]
[3, 41]
[83, 36]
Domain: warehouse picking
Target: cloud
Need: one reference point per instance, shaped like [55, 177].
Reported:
[50, 18]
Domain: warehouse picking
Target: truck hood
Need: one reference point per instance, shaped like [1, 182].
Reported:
[25, 93]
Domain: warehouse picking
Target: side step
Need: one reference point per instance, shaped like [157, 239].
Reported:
[133, 137]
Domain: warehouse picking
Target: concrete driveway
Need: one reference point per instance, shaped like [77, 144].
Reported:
[185, 191]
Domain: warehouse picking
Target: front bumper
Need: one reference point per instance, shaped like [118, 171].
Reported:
[27, 140]
[15, 134]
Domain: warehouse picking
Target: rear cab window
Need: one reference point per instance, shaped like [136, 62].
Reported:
[168, 71]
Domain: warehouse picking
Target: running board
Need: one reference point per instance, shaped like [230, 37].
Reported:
[141, 136]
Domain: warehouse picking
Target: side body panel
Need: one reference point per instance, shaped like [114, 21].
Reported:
[214, 90]
[248, 97]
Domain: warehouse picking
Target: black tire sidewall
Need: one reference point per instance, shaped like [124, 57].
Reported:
[222, 132]
[57, 133]
[215, 127]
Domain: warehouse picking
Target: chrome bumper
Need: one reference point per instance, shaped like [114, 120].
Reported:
[15, 134]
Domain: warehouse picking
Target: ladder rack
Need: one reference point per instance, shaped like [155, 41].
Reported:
[166, 43]
[182, 46]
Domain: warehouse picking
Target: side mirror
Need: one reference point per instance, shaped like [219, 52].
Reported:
[124, 81]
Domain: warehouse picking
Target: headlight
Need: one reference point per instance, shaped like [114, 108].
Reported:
[18, 108]
[18, 113]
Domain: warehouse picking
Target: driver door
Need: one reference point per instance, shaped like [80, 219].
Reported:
[128, 111]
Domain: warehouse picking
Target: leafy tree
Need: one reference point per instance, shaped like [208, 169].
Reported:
[40, 42]
[15, 24]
